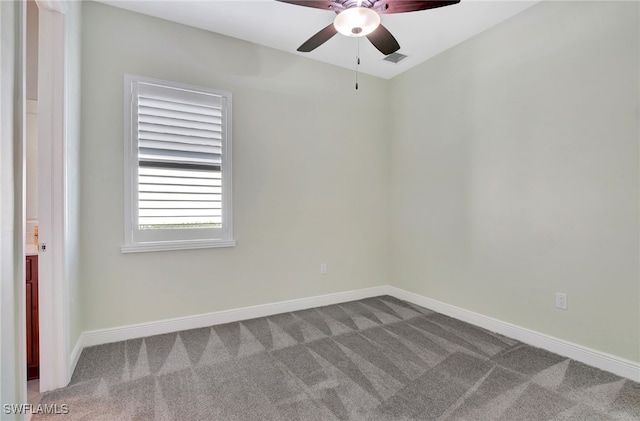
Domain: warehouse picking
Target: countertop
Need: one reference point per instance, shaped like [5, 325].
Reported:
[31, 249]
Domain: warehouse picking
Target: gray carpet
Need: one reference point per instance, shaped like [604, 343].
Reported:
[372, 359]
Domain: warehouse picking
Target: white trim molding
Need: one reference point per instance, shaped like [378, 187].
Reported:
[103, 336]
[603, 361]
[74, 357]
[52, 109]
[59, 6]
[176, 245]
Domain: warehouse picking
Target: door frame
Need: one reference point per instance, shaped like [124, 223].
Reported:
[55, 355]
[12, 205]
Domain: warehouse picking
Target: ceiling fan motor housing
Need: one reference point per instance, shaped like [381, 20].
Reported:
[356, 21]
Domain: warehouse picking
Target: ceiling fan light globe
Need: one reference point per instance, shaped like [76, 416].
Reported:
[356, 21]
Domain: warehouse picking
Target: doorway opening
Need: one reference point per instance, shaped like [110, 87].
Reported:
[31, 205]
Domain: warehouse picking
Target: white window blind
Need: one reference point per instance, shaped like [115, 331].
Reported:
[179, 164]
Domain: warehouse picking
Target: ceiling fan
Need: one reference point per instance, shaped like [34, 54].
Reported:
[357, 18]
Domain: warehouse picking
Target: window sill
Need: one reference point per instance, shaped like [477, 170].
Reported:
[176, 245]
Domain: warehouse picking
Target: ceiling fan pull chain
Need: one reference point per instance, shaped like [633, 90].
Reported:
[357, 61]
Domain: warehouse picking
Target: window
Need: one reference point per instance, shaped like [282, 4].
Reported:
[177, 166]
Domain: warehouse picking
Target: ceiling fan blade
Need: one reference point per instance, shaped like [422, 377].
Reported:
[386, 7]
[382, 39]
[316, 4]
[318, 39]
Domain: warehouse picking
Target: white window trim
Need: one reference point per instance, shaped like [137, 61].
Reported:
[130, 176]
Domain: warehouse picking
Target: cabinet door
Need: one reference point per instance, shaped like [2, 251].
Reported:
[33, 338]
[29, 325]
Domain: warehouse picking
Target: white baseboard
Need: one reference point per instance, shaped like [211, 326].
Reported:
[75, 355]
[607, 362]
[103, 336]
[601, 360]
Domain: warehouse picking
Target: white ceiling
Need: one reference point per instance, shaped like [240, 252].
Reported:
[421, 35]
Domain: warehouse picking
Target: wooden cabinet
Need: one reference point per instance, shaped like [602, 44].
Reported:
[33, 333]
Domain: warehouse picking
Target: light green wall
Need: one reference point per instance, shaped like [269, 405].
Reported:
[74, 141]
[309, 165]
[511, 162]
[515, 174]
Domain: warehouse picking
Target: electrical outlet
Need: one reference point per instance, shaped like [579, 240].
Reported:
[323, 268]
[561, 300]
